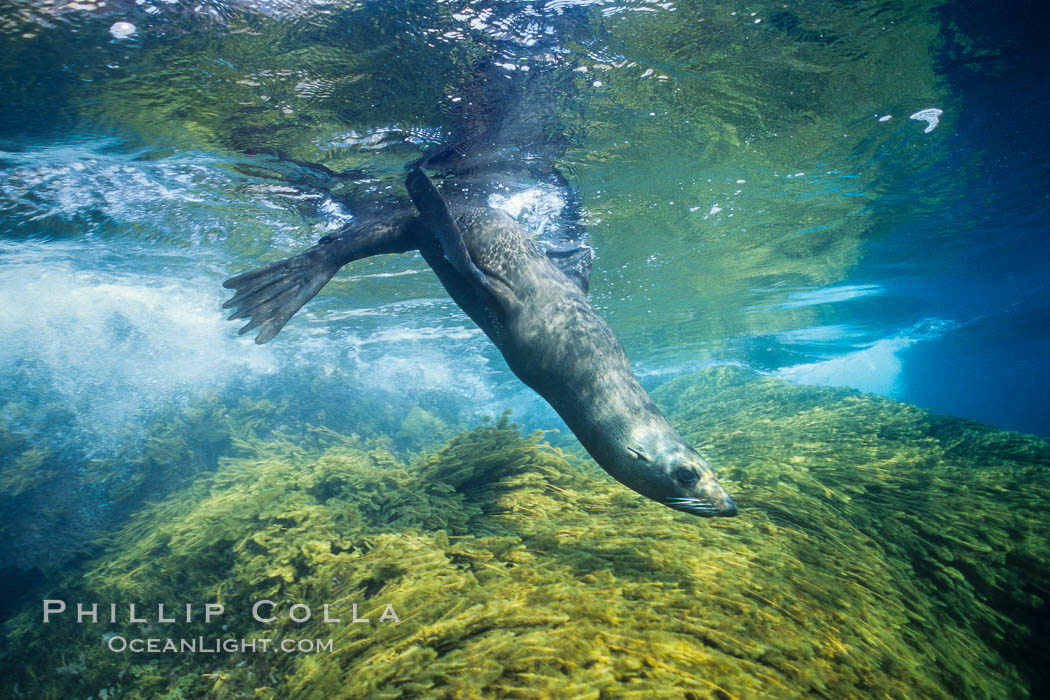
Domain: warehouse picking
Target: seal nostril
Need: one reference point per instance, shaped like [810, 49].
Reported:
[729, 509]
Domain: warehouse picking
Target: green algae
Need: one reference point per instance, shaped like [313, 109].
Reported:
[60, 488]
[881, 551]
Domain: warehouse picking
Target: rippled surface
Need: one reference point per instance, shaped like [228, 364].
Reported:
[750, 179]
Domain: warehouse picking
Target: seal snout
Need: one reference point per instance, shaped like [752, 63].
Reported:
[708, 499]
[708, 489]
[729, 508]
[725, 505]
[684, 480]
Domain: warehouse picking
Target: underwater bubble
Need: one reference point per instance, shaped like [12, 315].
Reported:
[931, 116]
[122, 30]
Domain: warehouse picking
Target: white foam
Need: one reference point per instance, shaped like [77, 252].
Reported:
[116, 344]
[931, 116]
[875, 369]
[538, 209]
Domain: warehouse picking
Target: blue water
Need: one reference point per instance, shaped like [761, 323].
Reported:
[749, 178]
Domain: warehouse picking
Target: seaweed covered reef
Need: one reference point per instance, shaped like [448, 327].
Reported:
[881, 551]
[60, 487]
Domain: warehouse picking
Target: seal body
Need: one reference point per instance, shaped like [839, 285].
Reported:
[538, 316]
[555, 341]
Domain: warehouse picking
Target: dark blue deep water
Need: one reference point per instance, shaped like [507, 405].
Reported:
[991, 277]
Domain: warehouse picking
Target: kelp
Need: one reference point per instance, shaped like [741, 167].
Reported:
[35, 458]
[58, 488]
[880, 551]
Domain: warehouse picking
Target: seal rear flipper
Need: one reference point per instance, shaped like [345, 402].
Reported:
[269, 296]
[574, 260]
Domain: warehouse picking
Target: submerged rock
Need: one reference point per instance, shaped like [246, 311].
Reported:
[880, 551]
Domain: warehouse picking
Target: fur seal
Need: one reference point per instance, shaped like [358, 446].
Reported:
[540, 319]
[532, 303]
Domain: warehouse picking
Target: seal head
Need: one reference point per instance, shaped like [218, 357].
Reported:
[671, 472]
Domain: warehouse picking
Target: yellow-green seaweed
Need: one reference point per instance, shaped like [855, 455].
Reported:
[881, 551]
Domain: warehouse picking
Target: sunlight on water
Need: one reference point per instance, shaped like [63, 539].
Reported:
[99, 188]
[829, 295]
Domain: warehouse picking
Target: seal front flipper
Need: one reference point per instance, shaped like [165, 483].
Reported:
[269, 296]
[433, 210]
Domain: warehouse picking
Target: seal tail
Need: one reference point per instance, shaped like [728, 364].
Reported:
[269, 296]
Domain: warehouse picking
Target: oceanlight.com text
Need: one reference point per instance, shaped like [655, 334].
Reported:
[215, 645]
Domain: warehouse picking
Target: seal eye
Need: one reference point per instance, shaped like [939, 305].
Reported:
[686, 476]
